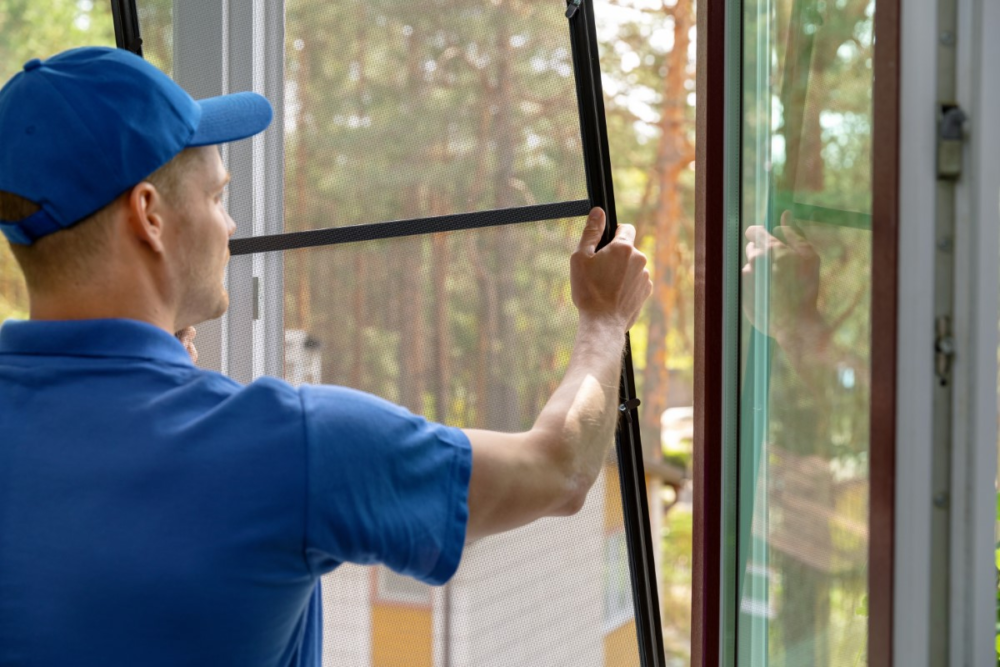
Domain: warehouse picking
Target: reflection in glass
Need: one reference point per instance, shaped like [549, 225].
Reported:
[803, 500]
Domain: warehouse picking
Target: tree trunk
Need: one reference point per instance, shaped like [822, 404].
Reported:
[674, 155]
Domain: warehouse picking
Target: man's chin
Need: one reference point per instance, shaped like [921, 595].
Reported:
[222, 306]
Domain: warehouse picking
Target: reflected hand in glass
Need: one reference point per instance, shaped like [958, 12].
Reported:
[793, 317]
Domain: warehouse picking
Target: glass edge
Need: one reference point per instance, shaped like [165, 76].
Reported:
[731, 332]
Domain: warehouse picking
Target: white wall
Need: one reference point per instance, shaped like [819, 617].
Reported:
[347, 617]
[534, 596]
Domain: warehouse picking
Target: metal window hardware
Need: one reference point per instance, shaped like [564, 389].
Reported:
[627, 407]
[944, 349]
[952, 129]
[571, 7]
[257, 306]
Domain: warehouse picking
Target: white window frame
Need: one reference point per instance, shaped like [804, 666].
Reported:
[220, 48]
[970, 607]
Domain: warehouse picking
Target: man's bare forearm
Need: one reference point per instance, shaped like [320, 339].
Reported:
[578, 422]
[547, 471]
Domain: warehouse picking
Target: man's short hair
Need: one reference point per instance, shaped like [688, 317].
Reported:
[73, 253]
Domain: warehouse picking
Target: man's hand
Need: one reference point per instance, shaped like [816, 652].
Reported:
[186, 336]
[794, 267]
[547, 471]
[611, 284]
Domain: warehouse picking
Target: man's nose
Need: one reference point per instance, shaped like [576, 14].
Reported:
[232, 225]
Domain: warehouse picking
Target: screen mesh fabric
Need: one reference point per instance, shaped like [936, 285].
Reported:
[424, 109]
[393, 110]
[474, 329]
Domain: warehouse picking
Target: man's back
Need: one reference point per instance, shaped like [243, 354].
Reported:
[154, 513]
[135, 521]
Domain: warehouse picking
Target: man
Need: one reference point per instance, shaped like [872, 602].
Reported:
[153, 513]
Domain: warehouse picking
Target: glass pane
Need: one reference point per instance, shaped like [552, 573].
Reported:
[473, 329]
[804, 437]
[397, 110]
[39, 30]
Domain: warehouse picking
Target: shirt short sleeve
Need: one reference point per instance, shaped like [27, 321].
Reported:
[384, 486]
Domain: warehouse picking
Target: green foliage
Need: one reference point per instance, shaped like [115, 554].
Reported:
[676, 568]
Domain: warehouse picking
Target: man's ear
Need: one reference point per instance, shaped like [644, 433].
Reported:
[146, 208]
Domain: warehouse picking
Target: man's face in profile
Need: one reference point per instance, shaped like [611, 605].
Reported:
[201, 242]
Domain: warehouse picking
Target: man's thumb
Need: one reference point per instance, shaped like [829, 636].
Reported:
[593, 231]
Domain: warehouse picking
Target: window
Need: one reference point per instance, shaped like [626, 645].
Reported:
[804, 421]
[791, 467]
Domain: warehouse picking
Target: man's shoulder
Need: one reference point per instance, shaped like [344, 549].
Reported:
[263, 390]
[346, 404]
[261, 406]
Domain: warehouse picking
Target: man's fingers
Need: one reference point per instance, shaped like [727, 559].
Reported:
[757, 234]
[187, 335]
[795, 238]
[754, 252]
[625, 234]
[593, 231]
[780, 237]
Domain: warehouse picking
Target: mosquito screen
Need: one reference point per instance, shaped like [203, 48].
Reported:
[405, 228]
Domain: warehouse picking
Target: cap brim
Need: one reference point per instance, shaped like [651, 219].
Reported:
[231, 118]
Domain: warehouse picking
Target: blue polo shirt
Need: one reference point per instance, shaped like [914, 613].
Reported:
[153, 513]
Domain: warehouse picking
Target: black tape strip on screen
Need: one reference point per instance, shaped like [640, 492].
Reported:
[388, 230]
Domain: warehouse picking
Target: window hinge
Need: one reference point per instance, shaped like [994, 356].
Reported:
[944, 349]
[256, 298]
[953, 127]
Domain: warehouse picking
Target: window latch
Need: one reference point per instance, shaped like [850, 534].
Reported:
[571, 7]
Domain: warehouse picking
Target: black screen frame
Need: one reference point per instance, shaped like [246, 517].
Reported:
[594, 134]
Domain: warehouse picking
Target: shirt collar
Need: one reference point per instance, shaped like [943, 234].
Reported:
[92, 338]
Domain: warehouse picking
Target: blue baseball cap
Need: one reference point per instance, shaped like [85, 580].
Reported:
[84, 126]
